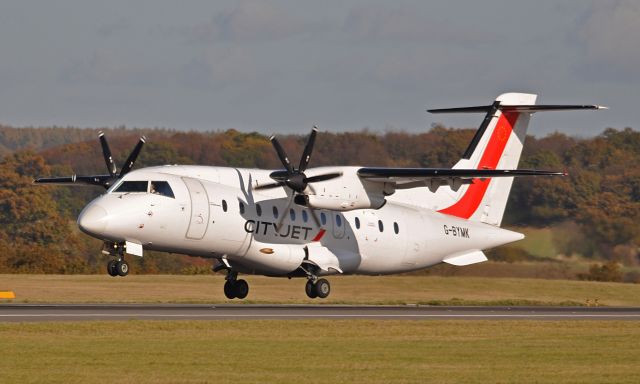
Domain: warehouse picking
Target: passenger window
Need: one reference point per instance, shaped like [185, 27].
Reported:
[133, 186]
[396, 228]
[292, 214]
[338, 221]
[224, 205]
[275, 212]
[380, 226]
[323, 218]
[305, 216]
[357, 223]
[258, 210]
[241, 208]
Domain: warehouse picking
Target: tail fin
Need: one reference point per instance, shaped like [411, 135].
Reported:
[496, 145]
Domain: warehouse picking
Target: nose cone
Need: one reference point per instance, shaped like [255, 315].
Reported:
[93, 220]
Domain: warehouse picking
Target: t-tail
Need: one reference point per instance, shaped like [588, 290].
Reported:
[497, 144]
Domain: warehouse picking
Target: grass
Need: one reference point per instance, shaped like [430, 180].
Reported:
[321, 351]
[434, 290]
[538, 241]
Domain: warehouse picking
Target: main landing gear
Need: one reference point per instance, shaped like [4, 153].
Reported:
[234, 287]
[317, 288]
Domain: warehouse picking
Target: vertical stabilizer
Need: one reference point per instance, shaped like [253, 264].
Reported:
[497, 144]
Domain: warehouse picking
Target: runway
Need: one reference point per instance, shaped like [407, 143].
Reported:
[85, 312]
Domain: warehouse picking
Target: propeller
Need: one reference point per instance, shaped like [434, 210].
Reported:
[295, 179]
[103, 180]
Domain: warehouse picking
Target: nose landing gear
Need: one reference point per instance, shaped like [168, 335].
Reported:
[118, 266]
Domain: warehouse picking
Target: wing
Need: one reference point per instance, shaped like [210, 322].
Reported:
[405, 178]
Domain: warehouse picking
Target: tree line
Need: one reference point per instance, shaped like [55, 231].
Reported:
[597, 206]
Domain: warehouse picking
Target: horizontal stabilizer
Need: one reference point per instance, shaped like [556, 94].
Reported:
[516, 108]
[372, 173]
[470, 257]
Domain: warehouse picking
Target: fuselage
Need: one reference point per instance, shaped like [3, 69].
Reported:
[215, 212]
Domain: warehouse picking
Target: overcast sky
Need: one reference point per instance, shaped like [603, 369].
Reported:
[282, 66]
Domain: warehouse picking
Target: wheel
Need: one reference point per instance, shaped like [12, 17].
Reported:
[241, 288]
[111, 268]
[122, 268]
[310, 289]
[229, 290]
[322, 288]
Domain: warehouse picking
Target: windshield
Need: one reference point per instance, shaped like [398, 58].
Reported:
[132, 186]
[161, 188]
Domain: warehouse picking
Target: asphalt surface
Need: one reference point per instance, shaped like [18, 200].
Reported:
[84, 312]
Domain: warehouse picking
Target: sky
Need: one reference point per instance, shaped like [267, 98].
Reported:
[283, 66]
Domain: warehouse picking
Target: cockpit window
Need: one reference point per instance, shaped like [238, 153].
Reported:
[132, 186]
[162, 188]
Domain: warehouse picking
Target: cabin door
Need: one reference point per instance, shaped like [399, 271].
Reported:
[199, 209]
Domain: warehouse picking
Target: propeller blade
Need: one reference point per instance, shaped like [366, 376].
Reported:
[132, 157]
[325, 177]
[285, 213]
[101, 180]
[106, 152]
[281, 154]
[270, 186]
[306, 155]
[314, 216]
[280, 175]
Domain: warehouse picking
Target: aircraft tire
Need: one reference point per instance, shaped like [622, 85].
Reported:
[241, 288]
[229, 290]
[322, 288]
[122, 268]
[310, 289]
[111, 268]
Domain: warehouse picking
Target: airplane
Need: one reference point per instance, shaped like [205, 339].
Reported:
[316, 222]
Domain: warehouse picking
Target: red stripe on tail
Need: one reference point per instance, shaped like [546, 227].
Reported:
[468, 204]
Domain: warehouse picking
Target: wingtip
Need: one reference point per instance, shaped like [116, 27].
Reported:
[601, 107]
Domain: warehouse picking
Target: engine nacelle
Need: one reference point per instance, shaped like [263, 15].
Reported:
[344, 193]
[275, 258]
[338, 203]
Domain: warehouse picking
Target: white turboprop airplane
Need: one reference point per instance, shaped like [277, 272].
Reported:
[313, 222]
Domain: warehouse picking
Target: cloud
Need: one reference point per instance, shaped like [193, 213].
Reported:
[108, 68]
[248, 21]
[219, 67]
[111, 29]
[379, 23]
[608, 38]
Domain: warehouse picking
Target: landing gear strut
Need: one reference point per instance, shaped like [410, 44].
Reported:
[116, 267]
[234, 288]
